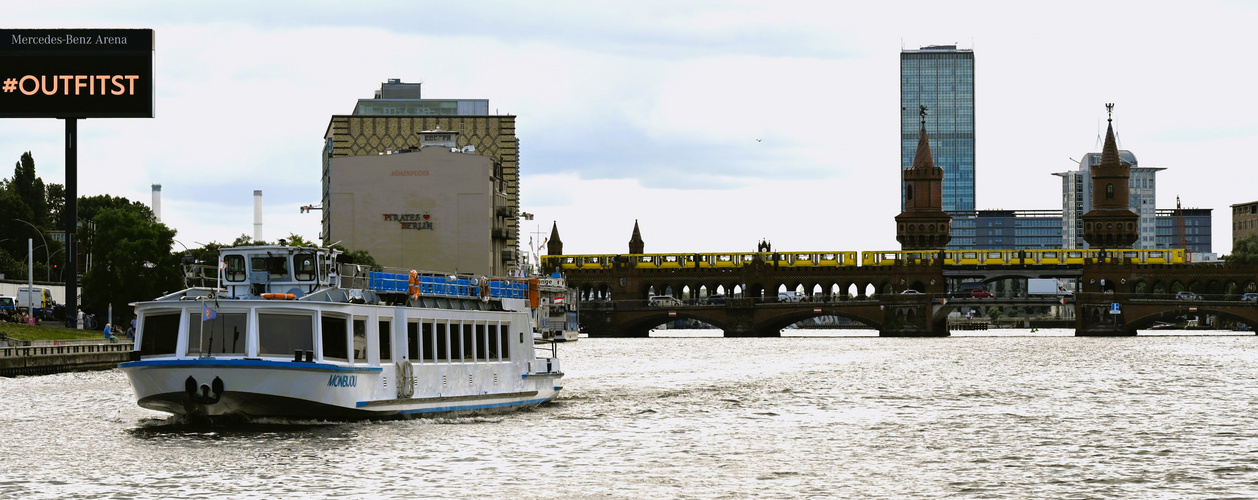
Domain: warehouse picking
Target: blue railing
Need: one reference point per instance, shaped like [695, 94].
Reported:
[445, 286]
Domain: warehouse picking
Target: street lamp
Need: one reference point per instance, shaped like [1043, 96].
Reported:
[47, 271]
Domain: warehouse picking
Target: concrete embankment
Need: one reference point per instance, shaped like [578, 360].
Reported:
[57, 356]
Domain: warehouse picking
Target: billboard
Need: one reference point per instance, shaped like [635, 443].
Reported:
[76, 73]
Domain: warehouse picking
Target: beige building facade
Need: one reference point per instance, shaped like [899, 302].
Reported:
[429, 209]
[386, 134]
[1244, 220]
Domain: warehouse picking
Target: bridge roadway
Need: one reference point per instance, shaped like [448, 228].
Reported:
[1144, 294]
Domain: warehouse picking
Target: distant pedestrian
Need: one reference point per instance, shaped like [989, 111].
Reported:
[80, 319]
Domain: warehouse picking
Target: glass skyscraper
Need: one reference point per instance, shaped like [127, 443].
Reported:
[941, 77]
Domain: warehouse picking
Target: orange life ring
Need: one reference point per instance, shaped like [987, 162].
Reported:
[484, 289]
[279, 296]
[414, 285]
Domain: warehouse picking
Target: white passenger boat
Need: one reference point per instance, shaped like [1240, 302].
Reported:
[288, 333]
[556, 312]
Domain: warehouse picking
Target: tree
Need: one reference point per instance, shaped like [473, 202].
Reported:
[30, 189]
[131, 259]
[1244, 251]
[55, 198]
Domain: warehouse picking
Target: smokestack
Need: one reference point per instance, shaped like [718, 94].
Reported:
[157, 201]
[257, 215]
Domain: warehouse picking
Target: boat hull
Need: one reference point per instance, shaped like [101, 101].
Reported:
[260, 388]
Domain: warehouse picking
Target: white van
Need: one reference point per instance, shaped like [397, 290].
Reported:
[664, 301]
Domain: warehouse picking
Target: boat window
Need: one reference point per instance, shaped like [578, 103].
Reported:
[504, 342]
[456, 342]
[304, 266]
[443, 353]
[277, 267]
[360, 340]
[482, 343]
[159, 334]
[281, 334]
[412, 341]
[492, 339]
[234, 270]
[335, 338]
[225, 334]
[386, 341]
[429, 348]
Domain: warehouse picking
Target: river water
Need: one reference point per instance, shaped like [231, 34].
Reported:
[1003, 414]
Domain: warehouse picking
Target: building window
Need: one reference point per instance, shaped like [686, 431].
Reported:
[1109, 191]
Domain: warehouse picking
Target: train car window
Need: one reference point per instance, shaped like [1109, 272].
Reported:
[724, 258]
[670, 258]
[1156, 255]
[1074, 255]
[1050, 255]
[993, 255]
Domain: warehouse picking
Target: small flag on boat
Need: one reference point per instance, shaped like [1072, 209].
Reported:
[207, 313]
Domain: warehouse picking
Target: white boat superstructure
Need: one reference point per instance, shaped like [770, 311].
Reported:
[288, 333]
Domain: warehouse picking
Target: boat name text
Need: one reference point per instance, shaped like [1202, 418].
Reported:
[343, 381]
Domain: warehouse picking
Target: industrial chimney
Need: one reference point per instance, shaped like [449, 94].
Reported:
[157, 201]
[257, 215]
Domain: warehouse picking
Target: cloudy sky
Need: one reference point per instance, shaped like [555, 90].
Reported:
[713, 123]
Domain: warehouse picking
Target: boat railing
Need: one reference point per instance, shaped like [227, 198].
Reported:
[432, 284]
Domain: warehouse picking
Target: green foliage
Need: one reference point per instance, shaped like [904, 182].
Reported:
[1244, 251]
[132, 259]
[30, 189]
[993, 313]
[296, 240]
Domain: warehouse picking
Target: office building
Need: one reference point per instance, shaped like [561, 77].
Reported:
[1008, 229]
[941, 77]
[1188, 228]
[408, 181]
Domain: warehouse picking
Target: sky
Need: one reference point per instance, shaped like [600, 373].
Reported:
[713, 124]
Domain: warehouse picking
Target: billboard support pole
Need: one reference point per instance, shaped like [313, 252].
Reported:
[70, 214]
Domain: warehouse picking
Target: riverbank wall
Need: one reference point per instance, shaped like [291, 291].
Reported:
[58, 356]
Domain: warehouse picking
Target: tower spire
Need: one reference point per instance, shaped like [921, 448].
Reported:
[636, 245]
[923, 225]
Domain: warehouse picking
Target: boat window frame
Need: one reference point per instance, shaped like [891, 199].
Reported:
[266, 315]
[330, 319]
[305, 272]
[154, 339]
[384, 346]
[235, 268]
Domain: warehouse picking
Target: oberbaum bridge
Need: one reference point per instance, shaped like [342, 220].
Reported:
[1118, 290]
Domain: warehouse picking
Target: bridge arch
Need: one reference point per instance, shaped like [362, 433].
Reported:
[1147, 318]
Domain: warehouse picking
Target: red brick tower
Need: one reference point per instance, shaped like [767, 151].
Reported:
[923, 225]
[1111, 223]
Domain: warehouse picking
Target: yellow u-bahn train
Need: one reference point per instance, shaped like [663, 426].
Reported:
[868, 258]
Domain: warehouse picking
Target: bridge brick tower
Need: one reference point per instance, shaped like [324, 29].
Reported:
[1109, 225]
[924, 226]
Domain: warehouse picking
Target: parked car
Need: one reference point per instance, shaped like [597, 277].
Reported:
[910, 292]
[1250, 297]
[979, 293]
[716, 299]
[664, 301]
[1187, 296]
